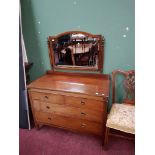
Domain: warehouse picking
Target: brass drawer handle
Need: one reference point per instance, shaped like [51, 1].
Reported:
[82, 102]
[47, 107]
[83, 125]
[83, 114]
[46, 97]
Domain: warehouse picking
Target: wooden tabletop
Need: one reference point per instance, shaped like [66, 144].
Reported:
[90, 84]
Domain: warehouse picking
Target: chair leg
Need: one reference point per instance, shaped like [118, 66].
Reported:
[106, 137]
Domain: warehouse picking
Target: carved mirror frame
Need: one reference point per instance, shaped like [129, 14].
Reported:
[51, 39]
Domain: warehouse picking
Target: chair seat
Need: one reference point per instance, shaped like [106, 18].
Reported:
[122, 117]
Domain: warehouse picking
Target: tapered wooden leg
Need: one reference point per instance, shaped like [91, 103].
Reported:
[37, 126]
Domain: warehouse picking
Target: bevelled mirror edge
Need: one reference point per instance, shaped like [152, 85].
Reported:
[76, 50]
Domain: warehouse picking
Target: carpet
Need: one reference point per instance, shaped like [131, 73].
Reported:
[54, 141]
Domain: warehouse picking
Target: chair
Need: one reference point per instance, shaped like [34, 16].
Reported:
[83, 59]
[121, 117]
[88, 58]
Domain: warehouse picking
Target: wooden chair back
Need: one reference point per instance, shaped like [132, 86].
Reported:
[128, 84]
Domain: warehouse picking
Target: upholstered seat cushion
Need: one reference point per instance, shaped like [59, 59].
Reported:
[122, 117]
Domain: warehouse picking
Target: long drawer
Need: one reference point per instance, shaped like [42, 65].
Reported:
[78, 102]
[70, 123]
[68, 111]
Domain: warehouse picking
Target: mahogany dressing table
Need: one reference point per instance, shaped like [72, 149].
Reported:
[72, 101]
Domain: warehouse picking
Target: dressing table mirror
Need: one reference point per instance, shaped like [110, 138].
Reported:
[76, 50]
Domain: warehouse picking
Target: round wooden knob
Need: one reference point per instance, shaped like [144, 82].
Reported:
[46, 97]
[47, 107]
[83, 114]
[82, 102]
[83, 125]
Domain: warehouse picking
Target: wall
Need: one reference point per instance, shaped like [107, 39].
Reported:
[112, 18]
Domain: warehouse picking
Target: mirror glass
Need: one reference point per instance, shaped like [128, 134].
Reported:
[76, 49]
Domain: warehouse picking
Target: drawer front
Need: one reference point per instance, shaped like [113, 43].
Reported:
[84, 103]
[73, 112]
[53, 98]
[70, 123]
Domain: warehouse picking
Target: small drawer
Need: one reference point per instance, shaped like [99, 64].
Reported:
[70, 123]
[53, 98]
[84, 103]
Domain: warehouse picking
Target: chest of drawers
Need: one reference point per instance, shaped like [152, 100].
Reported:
[76, 102]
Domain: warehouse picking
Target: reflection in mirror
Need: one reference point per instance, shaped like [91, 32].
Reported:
[76, 50]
